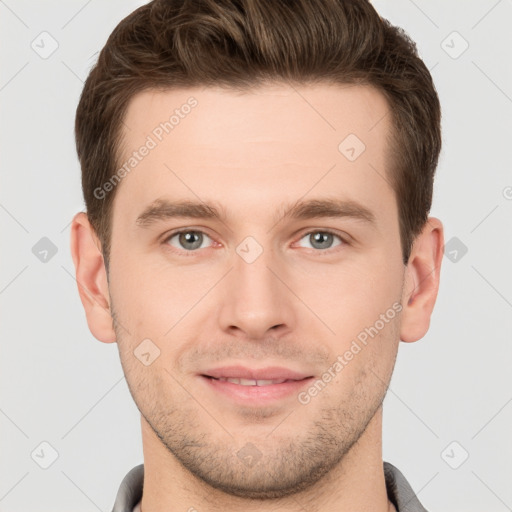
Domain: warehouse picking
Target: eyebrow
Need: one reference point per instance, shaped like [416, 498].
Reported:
[163, 209]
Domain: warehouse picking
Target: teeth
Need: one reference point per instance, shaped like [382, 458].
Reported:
[252, 382]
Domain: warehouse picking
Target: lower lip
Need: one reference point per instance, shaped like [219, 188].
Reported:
[256, 394]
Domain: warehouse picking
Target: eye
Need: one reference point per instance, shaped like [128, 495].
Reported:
[188, 240]
[322, 239]
[191, 239]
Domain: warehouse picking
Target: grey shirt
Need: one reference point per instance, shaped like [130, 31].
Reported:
[400, 492]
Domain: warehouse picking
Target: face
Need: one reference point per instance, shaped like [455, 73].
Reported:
[253, 240]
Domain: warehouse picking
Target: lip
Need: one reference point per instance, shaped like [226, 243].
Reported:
[268, 373]
[255, 395]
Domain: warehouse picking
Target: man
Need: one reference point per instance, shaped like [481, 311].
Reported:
[258, 176]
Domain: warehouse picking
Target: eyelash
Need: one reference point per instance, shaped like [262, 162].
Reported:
[193, 252]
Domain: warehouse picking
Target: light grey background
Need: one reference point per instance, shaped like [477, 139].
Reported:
[61, 386]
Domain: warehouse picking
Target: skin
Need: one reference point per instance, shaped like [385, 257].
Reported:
[296, 305]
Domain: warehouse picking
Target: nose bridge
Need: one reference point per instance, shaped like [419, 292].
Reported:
[255, 299]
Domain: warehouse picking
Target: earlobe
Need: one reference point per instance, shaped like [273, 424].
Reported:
[421, 283]
[91, 278]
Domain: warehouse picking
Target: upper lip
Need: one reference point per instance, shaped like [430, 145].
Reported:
[242, 372]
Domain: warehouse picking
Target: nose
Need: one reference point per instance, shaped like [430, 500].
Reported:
[256, 298]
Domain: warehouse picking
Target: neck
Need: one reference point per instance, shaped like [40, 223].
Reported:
[357, 483]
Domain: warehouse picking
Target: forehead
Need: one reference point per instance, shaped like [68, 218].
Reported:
[257, 145]
[259, 112]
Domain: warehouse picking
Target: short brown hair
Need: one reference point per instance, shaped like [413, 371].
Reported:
[241, 44]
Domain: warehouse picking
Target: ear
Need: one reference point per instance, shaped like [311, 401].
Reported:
[91, 277]
[422, 281]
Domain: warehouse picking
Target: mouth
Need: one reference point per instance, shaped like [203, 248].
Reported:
[255, 387]
[251, 382]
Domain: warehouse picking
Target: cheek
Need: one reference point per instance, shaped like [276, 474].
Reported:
[350, 295]
[363, 363]
[150, 299]
[361, 305]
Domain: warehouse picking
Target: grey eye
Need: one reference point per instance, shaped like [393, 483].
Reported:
[321, 239]
[188, 240]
